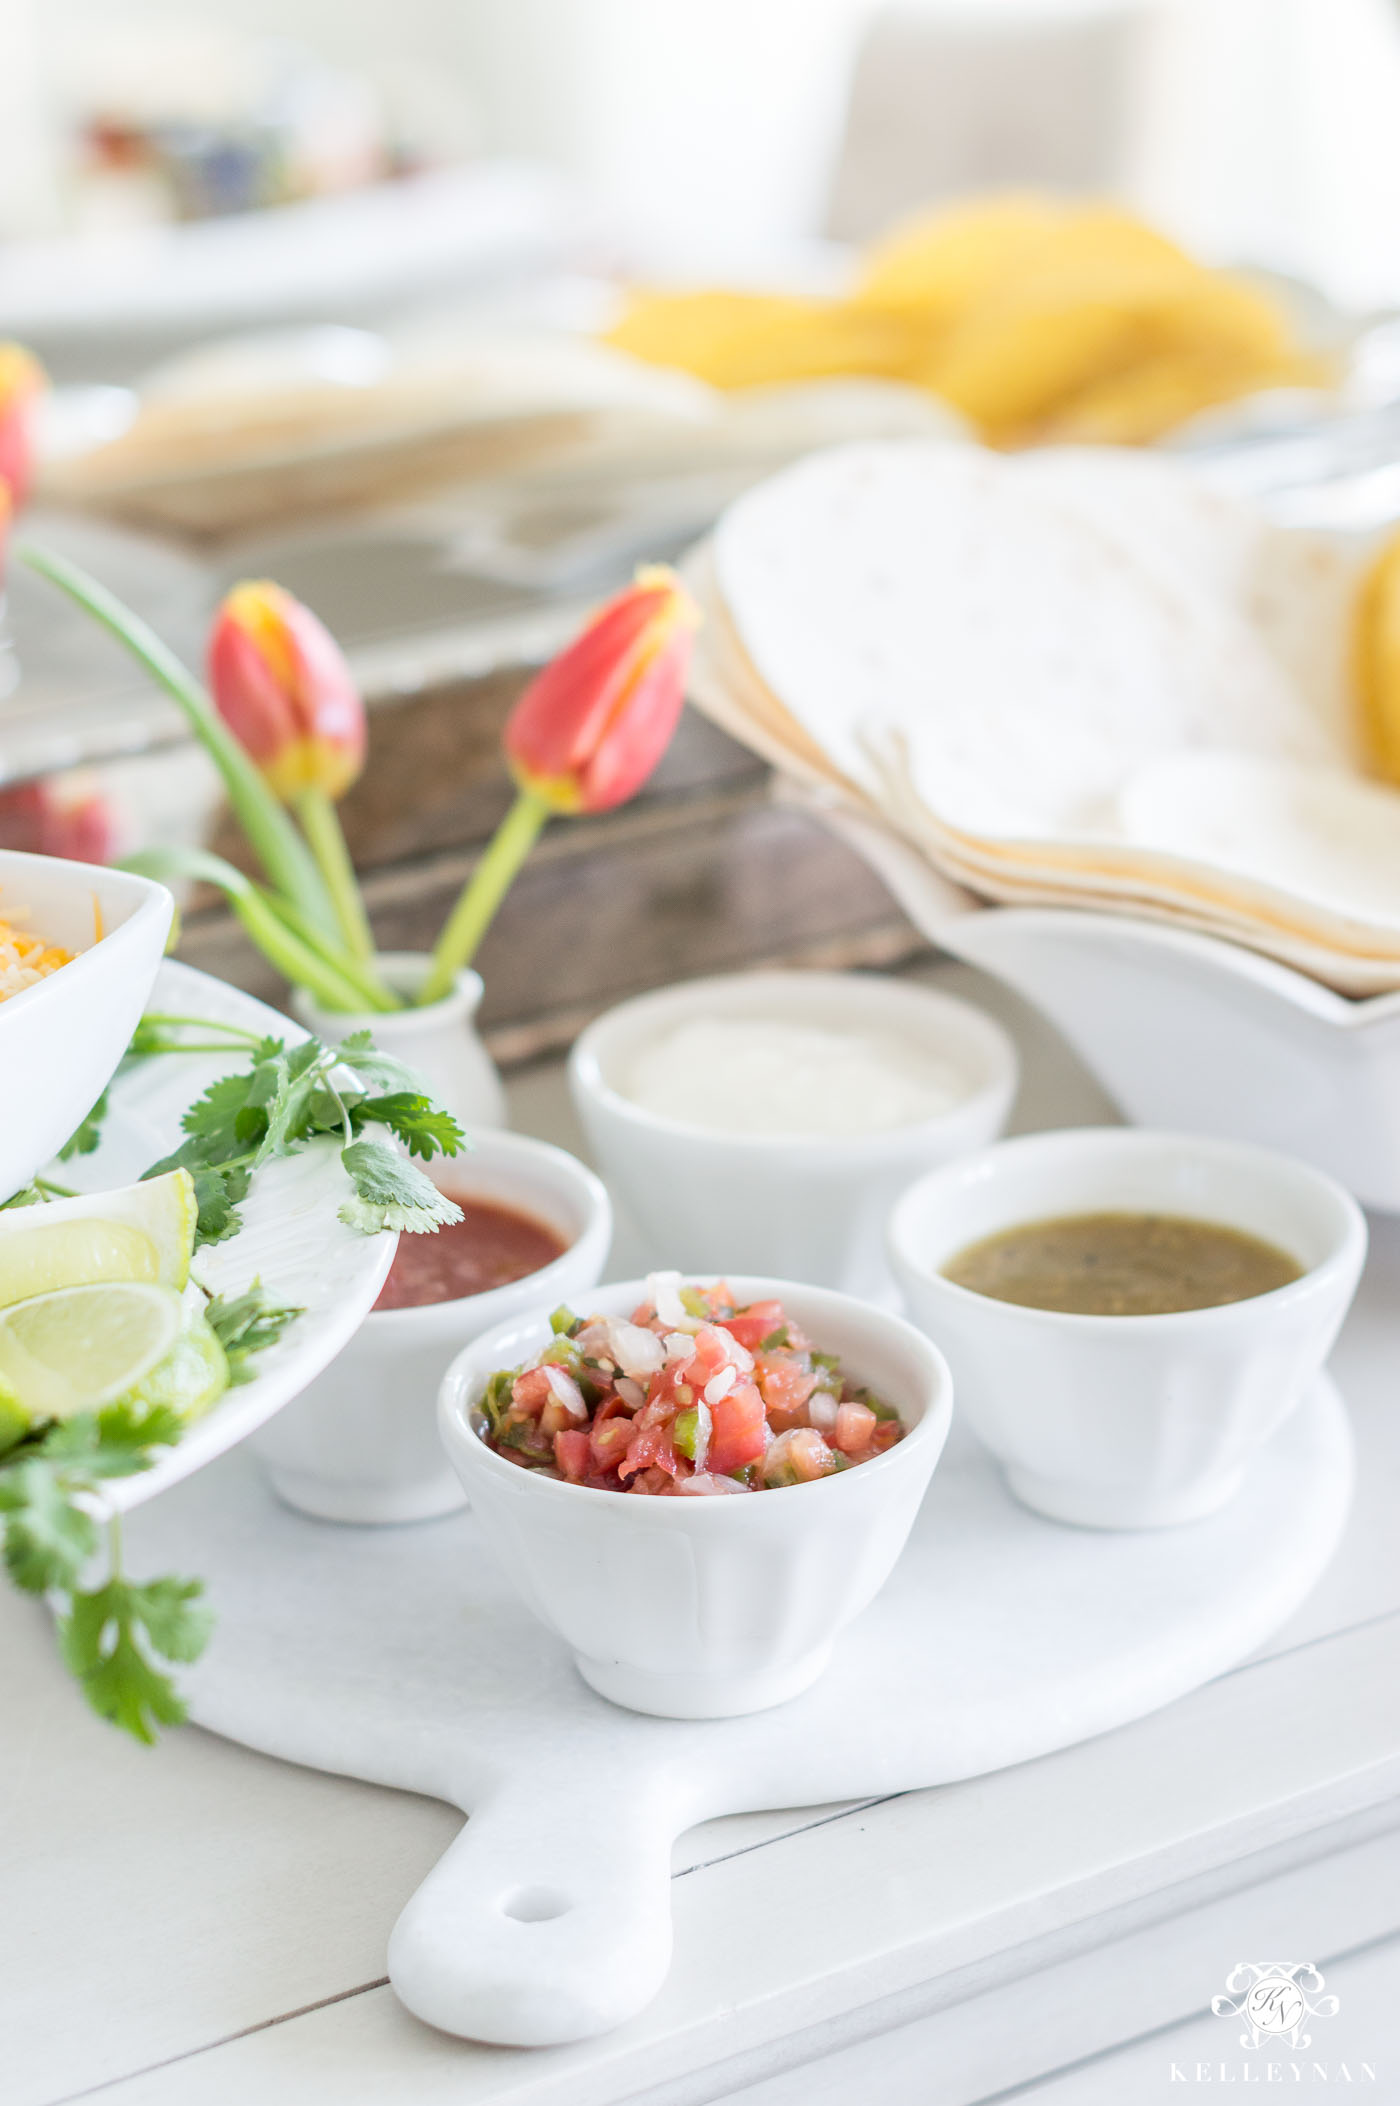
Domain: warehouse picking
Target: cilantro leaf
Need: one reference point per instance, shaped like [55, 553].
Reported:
[392, 1193]
[48, 1539]
[176, 1618]
[221, 1121]
[217, 1193]
[288, 1087]
[31, 1195]
[424, 1127]
[247, 1324]
[99, 1642]
[112, 1442]
[86, 1137]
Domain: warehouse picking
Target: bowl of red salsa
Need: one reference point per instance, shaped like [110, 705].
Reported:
[697, 1484]
[361, 1444]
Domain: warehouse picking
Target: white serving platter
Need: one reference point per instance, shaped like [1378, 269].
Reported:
[1185, 1031]
[291, 1238]
[402, 1657]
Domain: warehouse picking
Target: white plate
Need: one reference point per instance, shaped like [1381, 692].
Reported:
[291, 1237]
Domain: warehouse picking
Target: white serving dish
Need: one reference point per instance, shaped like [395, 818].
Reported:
[361, 1443]
[1130, 1421]
[291, 1239]
[708, 1607]
[796, 1207]
[1185, 1032]
[61, 1039]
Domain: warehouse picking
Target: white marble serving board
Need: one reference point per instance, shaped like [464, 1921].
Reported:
[402, 1657]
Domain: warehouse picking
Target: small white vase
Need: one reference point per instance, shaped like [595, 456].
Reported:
[440, 1041]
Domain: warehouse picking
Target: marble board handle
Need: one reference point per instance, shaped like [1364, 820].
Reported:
[543, 1922]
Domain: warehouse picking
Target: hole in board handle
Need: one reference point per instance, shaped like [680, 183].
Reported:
[534, 1904]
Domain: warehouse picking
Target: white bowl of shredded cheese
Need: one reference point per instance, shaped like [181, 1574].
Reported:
[768, 1121]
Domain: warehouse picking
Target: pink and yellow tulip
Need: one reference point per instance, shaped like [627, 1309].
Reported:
[21, 384]
[589, 729]
[281, 684]
[584, 737]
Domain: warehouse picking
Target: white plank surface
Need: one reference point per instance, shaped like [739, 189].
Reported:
[224, 1916]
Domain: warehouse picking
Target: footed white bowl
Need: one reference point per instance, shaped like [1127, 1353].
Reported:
[361, 1443]
[61, 1039]
[1129, 1421]
[707, 1607]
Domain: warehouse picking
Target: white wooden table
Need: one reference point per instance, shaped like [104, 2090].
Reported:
[201, 1926]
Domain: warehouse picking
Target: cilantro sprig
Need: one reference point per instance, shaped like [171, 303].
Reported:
[117, 1636]
[288, 1097]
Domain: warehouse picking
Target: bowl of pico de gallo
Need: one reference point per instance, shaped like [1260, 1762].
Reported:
[698, 1484]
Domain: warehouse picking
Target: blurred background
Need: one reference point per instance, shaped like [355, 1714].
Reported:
[347, 295]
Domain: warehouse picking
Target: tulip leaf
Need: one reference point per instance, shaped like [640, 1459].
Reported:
[275, 841]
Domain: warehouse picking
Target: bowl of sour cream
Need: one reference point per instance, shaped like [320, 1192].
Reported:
[768, 1121]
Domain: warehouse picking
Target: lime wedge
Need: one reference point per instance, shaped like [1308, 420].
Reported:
[142, 1232]
[14, 1420]
[78, 1348]
[194, 1373]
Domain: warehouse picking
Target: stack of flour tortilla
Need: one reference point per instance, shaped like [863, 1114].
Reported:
[1073, 677]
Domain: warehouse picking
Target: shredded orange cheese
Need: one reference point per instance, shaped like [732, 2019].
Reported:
[24, 959]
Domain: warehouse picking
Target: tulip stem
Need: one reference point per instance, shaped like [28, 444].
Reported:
[322, 828]
[279, 943]
[483, 892]
[279, 847]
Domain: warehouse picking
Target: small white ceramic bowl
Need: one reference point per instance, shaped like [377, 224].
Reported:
[361, 1444]
[61, 1039]
[707, 1608]
[807, 1208]
[1130, 1421]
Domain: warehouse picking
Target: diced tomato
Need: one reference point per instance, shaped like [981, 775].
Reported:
[530, 1392]
[739, 1433]
[651, 1446]
[656, 1481]
[571, 1455]
[798, 1457]
[753, 1325]
[855, 1428]
[608, 1440]
[786, 1387]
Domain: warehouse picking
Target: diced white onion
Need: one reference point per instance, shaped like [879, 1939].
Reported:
[737, 1355]
[631, 1393]
[719, 1385]
[664, 1291]
[566, 1391]
[638, 1352]
[680, 1345]
[821, 1410]
[704, 1429]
